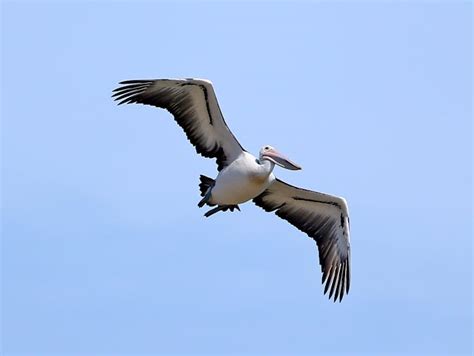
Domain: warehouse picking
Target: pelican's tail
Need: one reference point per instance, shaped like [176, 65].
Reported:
[205, 185]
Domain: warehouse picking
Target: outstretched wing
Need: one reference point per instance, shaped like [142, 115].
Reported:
[194, 106]
[325, 219]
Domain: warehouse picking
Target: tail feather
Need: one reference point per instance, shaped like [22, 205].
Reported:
[205, 184]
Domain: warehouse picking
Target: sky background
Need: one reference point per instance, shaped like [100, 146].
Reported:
[104, 250]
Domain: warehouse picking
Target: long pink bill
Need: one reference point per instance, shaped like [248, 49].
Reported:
[277, 158]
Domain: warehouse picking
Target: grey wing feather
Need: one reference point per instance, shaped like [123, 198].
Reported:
[324, 218]
[194, 105]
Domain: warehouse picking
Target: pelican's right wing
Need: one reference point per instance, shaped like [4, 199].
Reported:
[322, 217]
[193, 103]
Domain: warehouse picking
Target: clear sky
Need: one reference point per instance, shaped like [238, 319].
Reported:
[104, 250]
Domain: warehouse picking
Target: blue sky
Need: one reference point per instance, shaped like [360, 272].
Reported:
[104, 250]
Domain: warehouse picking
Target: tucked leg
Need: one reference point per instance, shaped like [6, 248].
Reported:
[215, 210]
[221, 208]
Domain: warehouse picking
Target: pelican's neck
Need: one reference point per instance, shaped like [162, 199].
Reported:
[266, 166]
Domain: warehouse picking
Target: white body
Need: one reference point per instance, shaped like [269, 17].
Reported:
[242, 180]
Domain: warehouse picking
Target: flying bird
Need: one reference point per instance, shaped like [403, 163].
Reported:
[243, 177]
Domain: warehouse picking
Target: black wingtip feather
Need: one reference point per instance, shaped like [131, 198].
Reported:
[348, 276]
[130, 91]
[329, 282]
[334, 282]
[136, 81]
[343, 281]
[339, 293]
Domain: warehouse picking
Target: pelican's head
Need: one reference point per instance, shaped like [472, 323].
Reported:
[269, 153]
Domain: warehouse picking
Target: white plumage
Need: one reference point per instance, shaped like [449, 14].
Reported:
[240, 181]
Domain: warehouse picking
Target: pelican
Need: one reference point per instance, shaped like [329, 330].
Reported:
[242, 177]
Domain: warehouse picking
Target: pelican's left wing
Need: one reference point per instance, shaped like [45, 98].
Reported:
[194, 105]
[322, 217]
